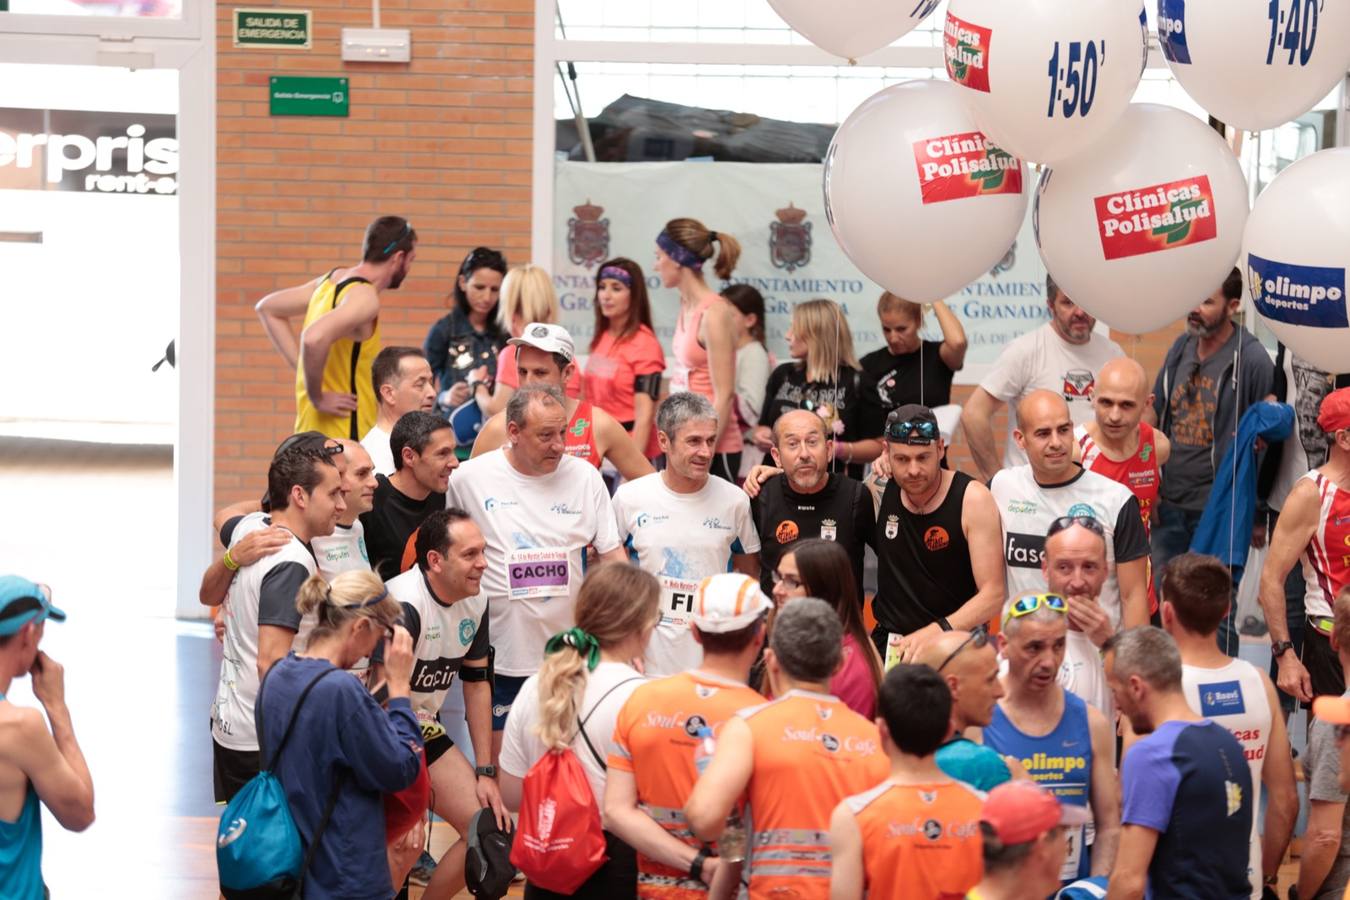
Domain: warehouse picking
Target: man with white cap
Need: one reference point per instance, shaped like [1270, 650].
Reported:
[546, 355]
[660, 731]
[37, 765]
[1024, 830]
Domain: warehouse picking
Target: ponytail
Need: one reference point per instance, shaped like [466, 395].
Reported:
[352, 595]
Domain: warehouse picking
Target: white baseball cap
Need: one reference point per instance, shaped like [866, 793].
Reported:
[549, 338]
[728, 602]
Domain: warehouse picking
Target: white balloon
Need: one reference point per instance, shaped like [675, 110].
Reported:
[1046, 78]
[917, 197]
[1295, 253]
[1148, 223]
[853, 28]
[1256, 65]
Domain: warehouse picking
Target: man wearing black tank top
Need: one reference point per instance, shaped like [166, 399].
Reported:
[938, 541]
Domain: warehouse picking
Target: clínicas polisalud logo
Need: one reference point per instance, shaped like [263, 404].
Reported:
[966, 47]
[968, 164]
[1156, 217]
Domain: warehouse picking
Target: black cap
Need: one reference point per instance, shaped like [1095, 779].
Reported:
[487, 860]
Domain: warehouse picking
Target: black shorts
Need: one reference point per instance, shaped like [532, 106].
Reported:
[233, 770]
[1322, 663]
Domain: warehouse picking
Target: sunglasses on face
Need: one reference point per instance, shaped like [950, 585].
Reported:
[1025, 606]
[977, 640]
[912, 431]
[1088, 522]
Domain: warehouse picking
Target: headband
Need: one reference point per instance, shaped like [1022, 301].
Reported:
[686, 258]
[616, 273]
[581, 641]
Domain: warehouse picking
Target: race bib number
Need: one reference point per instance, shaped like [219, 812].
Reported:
[1075, 839]
[677, 600]
[538, 572]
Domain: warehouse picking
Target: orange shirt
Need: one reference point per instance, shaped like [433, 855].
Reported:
[930, 832]
[654, 738]
[810, 752]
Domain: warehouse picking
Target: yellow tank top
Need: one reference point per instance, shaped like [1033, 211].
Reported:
[346, 371]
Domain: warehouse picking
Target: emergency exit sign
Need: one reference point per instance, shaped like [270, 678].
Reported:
[270, 28]
[297, 96]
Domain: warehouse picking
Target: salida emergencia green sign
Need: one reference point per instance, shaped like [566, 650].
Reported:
[297, 96]
[272, 28]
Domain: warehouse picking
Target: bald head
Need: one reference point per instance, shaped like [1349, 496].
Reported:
[936, 651]
[972, 675]
[1074, 563]
[358, 481]
[1119, 398]
[798, 422]
[1045, 432]
[1123, 374]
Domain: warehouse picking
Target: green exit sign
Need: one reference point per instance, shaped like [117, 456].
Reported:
[296, 96]
[271, 28]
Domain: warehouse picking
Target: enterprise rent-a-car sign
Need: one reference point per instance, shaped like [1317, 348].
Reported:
[88, 151]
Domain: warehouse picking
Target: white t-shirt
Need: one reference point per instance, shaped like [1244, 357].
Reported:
[1027, 510]
[1083, 675]
[443, 637]
[521, 747]
[537, 529]
[681, 539]
[342, 551]
[376, 443]
[1042, 360]
[261, 594]
[1235, 697]
[1306, 448]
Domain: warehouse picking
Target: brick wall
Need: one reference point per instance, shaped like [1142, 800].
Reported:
[443, 140]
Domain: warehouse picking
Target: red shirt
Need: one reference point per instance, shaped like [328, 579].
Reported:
[613, 368]
[1140, 473]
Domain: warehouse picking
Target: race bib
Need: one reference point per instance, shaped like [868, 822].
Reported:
[893, 649]
[538, 572]
[1075, 839]
[677, 600]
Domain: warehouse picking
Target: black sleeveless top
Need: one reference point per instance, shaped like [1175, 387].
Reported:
[923, 562]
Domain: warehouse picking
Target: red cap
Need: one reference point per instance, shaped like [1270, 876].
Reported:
[1022, 811]
[1335, 413]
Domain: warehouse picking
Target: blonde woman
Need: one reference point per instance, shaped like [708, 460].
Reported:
[343, 747]
[824, 377]
[586, 676]
[705, 333]
[527, 296]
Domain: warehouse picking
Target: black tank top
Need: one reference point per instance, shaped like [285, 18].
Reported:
[923, 562]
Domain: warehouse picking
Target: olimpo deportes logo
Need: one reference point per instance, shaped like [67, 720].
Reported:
[1299, 295]
[94, 152]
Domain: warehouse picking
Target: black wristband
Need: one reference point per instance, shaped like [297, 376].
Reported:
[696, 867]
[944, 624]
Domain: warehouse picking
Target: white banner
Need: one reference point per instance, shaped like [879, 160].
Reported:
[776, 211]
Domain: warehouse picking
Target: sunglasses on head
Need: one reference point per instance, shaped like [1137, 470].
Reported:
[1025, 606]
[977, 640]
[912, 431]
[1088, 522]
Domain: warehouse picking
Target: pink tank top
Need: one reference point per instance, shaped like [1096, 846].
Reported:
[694, 358]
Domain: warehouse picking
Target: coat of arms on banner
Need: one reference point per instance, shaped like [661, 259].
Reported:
[790, 239]
[587, 235]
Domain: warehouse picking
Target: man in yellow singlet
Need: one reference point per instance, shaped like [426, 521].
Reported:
[340, 333]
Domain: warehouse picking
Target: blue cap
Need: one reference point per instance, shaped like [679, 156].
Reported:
[23, 601]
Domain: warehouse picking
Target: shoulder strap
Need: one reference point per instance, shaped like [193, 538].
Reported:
[313, 847]
[581, 723]
[285, 735]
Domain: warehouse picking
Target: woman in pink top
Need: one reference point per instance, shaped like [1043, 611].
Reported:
[705, 336]
[817, 568]
[623, 371]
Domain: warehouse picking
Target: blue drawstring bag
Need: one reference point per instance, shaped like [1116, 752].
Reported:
[258, 849]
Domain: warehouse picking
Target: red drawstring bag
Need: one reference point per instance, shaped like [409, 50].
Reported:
[403, 810]
[559, 842]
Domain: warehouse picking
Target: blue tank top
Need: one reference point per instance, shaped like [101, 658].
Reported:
[21, 851]
[1060, 761]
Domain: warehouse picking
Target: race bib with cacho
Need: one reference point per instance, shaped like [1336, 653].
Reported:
[538, 572]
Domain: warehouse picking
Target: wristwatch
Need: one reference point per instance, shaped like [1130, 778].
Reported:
[485, 771]
[696, 867]
[1278, 648]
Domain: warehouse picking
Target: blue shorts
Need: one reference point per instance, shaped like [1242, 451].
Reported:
[504, 691]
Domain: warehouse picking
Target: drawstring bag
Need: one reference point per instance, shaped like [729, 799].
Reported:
[559, 843]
